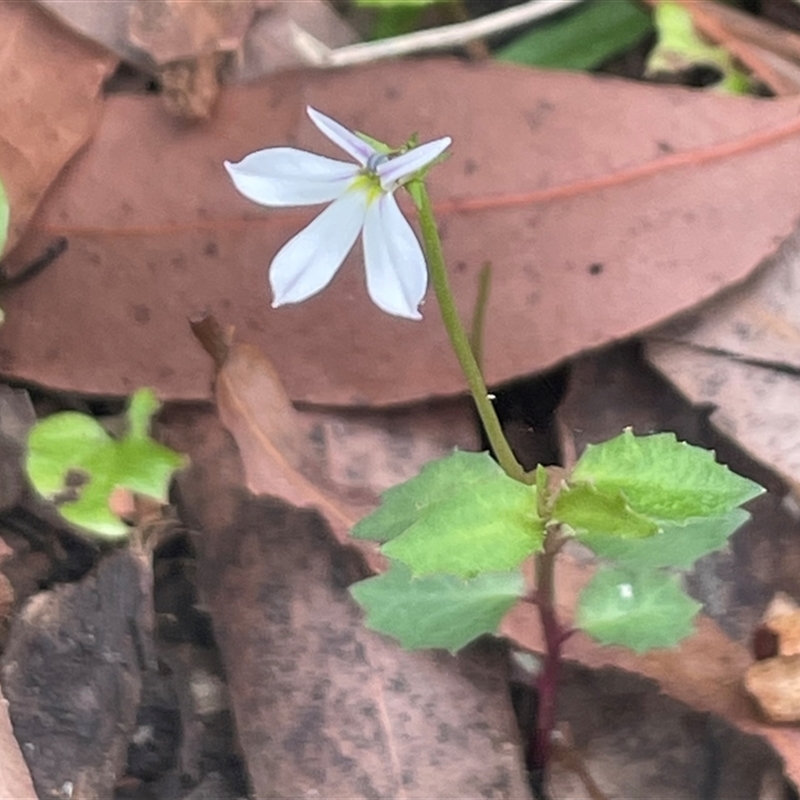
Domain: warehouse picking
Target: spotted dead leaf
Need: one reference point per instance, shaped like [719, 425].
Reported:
[604, 205]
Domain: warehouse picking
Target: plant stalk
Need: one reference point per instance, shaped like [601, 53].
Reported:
[554, 636]
[460, 341]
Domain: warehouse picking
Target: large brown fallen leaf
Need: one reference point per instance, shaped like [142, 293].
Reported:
[324, 707]
[49, 106]
[605, 206]
[336, 463]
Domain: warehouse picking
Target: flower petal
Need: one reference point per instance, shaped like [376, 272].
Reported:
[341, 136]
[394, 170]
[307, 263]
[397, 275]
[285, 176]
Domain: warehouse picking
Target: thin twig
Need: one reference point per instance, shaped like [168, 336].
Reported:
[444, 37]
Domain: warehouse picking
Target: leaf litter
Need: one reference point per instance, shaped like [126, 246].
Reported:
[645, 213]
[766, 129]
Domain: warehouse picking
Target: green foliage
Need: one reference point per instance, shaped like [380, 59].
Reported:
[71, 444]
[640, 610]
[645, 505]
[675, 545]
[460, 516]
[586, 510]
[680, 48]
[437, 610]
[692, 498]
[663, 478]
[395, 17]
[582, 38]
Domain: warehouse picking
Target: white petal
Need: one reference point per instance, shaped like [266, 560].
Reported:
[394, 170]
[396, 272]
[284, 176]
[307, 263]
[341, 136]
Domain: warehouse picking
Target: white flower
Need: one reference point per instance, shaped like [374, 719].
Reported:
[363, 199]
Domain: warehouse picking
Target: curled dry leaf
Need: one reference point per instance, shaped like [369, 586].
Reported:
[609, 206]
[335, 463]
[774, 680]
[49, 106]
[319, 700]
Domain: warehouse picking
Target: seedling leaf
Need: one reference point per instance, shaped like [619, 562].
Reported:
[69, 444]
[675, 545]
[638, 610]
[591, 512]
[461, 515]
[663, 478]
[436, 610]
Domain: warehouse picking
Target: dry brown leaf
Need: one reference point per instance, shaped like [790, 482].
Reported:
[604, 205]
[15, 779]
[49, 106]
[273, 43]
[335, 463]
[260, 33]
[323, 706]
[172, 30]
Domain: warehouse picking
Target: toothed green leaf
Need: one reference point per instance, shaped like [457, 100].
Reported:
[436, 610]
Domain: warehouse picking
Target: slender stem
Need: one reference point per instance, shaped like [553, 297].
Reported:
[479, 313]
[554, 636]
[460, 341]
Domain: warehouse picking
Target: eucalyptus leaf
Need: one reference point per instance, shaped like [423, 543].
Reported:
[72, 445]
[639, 610]
[436, 610]
[663, 478]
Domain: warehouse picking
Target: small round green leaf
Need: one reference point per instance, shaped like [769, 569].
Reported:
[70, 443]
[638, 610]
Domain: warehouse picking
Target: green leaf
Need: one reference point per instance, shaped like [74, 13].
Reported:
[70, 442]
[461, 515]
[403, 505]
[583, 38]
[680, 48]
[395, 17]
[673, 546]
[663, 478]
[437, 610]
[590, 512]
[640, 611]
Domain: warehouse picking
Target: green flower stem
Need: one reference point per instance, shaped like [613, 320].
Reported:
[460, 341]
